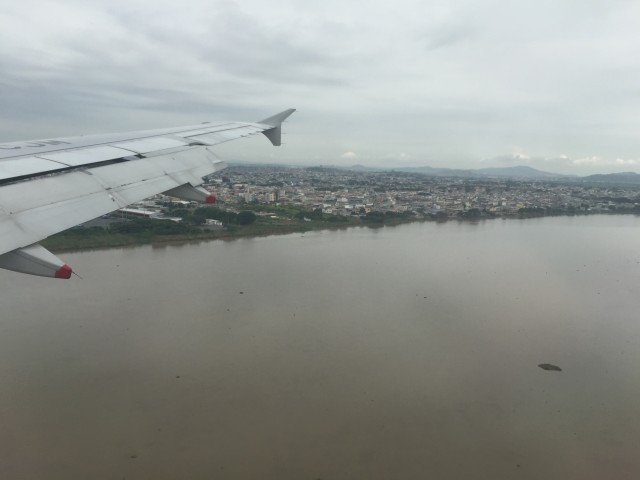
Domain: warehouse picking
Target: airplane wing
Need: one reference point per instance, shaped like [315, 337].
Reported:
[47, 186]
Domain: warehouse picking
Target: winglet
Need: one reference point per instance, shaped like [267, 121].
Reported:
[278, 118]
[275, 134]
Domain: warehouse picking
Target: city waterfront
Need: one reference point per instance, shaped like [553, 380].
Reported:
[392, 352]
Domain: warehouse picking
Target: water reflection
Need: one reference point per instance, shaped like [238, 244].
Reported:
[403, 352]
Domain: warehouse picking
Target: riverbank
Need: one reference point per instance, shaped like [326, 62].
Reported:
[78, 239]
[89, 239]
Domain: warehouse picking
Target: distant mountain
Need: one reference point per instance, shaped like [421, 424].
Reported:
[520, 171]
[362, 168]
[622, 177]
[438, 172]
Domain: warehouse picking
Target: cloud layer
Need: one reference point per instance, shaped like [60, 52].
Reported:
[449, 83]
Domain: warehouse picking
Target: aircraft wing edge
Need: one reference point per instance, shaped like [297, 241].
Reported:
[51, 185]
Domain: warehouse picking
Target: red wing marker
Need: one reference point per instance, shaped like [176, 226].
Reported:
[64, 271]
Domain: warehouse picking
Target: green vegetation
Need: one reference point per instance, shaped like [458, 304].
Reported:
[132, 232]
[533, 212]
[256, 220]
[472, 214]
[388, 218]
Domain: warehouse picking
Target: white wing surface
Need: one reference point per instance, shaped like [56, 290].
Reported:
[47, 186]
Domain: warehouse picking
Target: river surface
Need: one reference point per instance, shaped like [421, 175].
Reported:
[394, 353]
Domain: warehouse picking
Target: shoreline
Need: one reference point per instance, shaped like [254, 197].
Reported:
[81, 240]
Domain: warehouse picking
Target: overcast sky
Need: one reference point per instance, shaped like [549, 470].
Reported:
[456, 83]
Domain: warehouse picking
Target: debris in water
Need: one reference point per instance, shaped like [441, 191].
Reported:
[550, 367]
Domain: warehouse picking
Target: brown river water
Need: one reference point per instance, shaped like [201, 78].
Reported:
[394, 353]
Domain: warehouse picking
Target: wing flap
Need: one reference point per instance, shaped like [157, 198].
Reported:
[87, 156]
[15, 199]
[27, 166]
[23, 229]
[80, 196]
[151, 144]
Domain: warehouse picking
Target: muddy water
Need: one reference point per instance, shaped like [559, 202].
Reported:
[407, 352]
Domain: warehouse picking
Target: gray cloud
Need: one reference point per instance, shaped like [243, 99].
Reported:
[451, 83]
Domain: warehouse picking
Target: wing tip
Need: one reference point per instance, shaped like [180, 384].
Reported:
[274, 134]
[277, 119]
